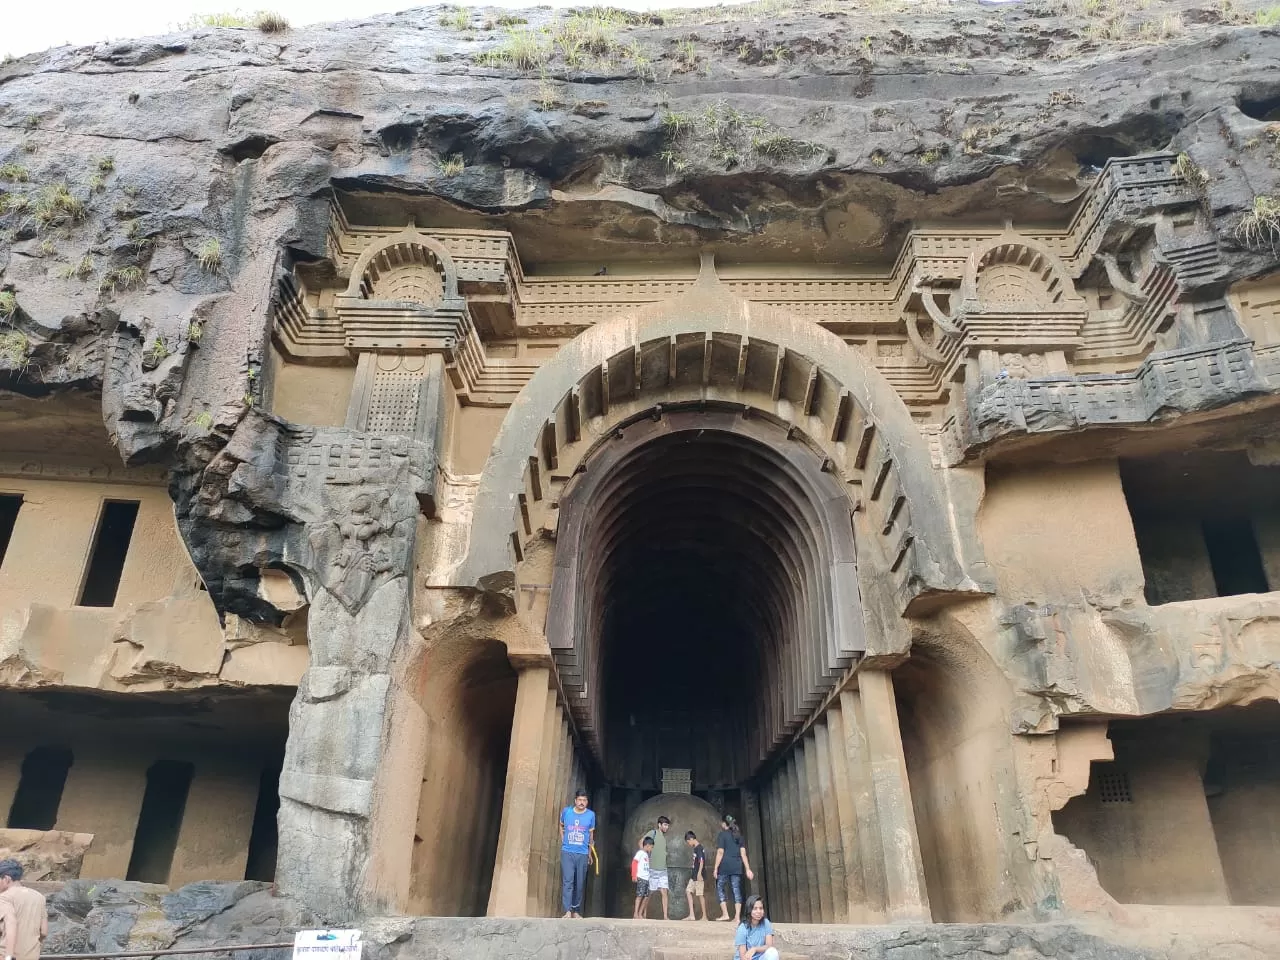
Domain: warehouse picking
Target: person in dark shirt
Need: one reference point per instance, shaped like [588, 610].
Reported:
[731, 864]
[695, 887]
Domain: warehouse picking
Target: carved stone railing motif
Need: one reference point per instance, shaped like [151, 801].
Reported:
[1021, 303]
[1181, 381]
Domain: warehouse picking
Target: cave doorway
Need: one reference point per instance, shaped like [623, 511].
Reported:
[703, 606]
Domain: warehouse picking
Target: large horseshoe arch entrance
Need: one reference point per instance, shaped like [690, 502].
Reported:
[671, 510]
[705, 602]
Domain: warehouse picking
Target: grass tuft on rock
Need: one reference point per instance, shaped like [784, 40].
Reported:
[268, 21]
[1260, 226]
[210, 255]
[15, 349]
[8, 305]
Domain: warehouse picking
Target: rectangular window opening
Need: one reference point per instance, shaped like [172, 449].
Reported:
[263, 840]
[1207, 523]
[1234, 556]
[110, 547]
[10, 503]
[159, 822]
[40, 786]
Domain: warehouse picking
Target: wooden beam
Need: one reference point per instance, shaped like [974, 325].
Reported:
[882, 474]
[671, 360]
[535, 478]
[779, 367]
[741, 377]
[895, 507]
[707, 343]
[864, 445]
[604, 388]
[639, 362]
[550, 446]
[841, 419]
[573, 425]
[810, 391]
[524, 514]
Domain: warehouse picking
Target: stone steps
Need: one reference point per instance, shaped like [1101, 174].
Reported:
[718, 951]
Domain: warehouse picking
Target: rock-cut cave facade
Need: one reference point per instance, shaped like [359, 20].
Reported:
[384, 455]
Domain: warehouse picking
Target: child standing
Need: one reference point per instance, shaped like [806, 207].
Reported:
[695, 888]
[640, 874]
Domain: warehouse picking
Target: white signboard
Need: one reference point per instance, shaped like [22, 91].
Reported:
[327, 945]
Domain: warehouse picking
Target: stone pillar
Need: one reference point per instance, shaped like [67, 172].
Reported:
[755, 841]
[559, 799]
[810, 899]
[767, 852]
[519, 800]
[805, 751]
[859, 909]
[344, 506]
[870, 849]
[348, 797]
[907, 896]
[831, 821]
[605, 843]
[547, 768]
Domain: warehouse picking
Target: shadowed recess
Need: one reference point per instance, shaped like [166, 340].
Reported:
[705, 599]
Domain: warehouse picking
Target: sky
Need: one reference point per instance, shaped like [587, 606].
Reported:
[31, 25]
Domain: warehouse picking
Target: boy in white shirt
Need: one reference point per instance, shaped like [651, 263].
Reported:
[640, 873]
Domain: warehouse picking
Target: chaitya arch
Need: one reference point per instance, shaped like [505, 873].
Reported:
[710, 345]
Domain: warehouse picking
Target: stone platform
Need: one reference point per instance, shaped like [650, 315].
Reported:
[112, 916]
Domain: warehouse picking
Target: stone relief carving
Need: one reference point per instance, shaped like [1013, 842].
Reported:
[354, 549]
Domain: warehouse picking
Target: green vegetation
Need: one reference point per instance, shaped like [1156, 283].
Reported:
[509, 20]
[55, 204]
[14, 202]
[158, 351]
[210, 255]
[105, 164]
[1190, 173]
[728, 137]
[14, 173]
[204, 420]
[195, 330]
[15, 349]
[548, 97]
[1260, 226]
[932, 155]
[518, 50]
[452, 165]
[455, 18]
[124, 278]
[1269, 17]
[270, 22]
[779, 146]
[80, 270]
[584, 36]
[8, 305]
[264, 20]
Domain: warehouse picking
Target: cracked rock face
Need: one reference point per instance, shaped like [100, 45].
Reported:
[150, 185]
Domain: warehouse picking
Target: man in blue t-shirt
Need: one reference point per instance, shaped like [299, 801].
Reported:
[577, 835]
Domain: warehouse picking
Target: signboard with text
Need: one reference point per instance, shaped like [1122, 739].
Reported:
[327, 945]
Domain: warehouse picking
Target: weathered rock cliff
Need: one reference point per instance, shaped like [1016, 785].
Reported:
[150, 188]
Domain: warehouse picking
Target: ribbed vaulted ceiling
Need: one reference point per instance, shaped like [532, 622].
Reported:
[714, 598]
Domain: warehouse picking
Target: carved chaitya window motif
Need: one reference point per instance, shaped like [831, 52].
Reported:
[409, 283]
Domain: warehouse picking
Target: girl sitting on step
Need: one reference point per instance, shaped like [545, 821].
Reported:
[755, 934]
